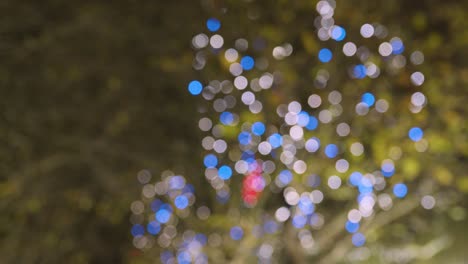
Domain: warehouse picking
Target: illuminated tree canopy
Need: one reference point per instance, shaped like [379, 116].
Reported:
[233, 131]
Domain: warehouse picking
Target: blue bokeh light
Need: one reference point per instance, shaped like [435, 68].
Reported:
[365, 189]
[137, 230]
[303, 119]
[351, 227]
[325, 55]
[365, 186]
[195, 87]
[368, 99]
[313, 123]
[307, 207]
[397, 46]
[270, 227]
[236, 233]
[285, 177]
[338, 33]
[213, 24]
[415, 134]
[244, 138]
[275, 140]
[400, 190]
[358, 240]
[359, 71]
[258, 128]
[181, 202]
[248, 156]
[225, 172]
[183, 257]
[388, 169]
[355, 178]
[247, 63]
[153, 227]
[226, 118]
[299, 221]
[331, 151]
[163, 215]
[210, 161]
[388, 174]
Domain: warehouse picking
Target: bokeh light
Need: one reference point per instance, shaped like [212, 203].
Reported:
[195, 87]
[325, 55]
[213, 24]
[400, 190]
